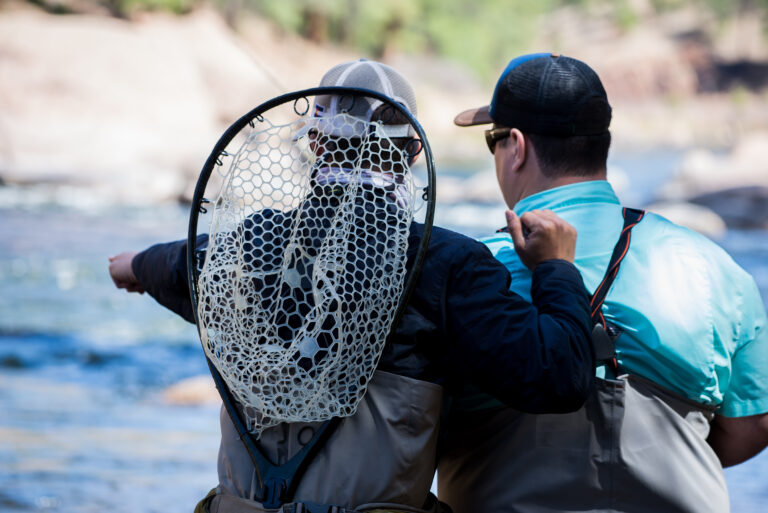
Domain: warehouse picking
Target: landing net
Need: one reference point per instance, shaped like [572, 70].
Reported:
[305, 265]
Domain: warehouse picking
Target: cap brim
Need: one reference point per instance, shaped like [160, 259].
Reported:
[471, 117]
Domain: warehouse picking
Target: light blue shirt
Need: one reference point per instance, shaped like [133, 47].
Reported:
[692, 319]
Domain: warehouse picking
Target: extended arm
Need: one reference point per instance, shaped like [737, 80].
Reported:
[160, 270]
[737, 439]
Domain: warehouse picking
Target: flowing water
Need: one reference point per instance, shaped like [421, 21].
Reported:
[84, 424]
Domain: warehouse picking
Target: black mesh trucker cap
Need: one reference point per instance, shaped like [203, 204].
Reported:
[547, 94]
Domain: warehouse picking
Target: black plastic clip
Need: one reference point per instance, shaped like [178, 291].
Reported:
[604, 344]
[273, 493]
[223, 153]
[200, 258]
[201, 208]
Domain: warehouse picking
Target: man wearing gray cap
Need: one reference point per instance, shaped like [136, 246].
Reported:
[680, 331]
[461, 324]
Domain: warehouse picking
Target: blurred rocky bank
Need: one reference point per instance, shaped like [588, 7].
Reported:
[99, 109]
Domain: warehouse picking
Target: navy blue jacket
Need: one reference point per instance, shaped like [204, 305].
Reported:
[462, 324]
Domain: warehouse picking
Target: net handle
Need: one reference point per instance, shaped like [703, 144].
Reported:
[198, 206]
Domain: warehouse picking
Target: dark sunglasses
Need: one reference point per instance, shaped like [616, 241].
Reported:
[495, 135]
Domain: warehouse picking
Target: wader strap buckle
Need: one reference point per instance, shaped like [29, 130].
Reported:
[310, 507]
[273, 492]
[604, 334]
[604, 343]
[604, 349]
[279, 482]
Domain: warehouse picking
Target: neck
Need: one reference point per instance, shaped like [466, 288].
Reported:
[544, 183]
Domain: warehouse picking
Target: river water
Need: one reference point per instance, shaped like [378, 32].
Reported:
[84, 425]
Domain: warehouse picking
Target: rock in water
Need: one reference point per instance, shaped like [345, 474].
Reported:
[192, 391]
[740, 207]
[702, 171]
[695, 217]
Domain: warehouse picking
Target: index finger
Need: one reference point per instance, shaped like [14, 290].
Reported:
[515, 229]
[535, 219]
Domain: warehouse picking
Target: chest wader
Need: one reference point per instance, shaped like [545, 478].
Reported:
[381, 459]
[633, 447]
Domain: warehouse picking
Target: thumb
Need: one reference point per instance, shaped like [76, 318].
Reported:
[515, 228]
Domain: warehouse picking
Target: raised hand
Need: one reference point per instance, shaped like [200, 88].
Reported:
[541, 235]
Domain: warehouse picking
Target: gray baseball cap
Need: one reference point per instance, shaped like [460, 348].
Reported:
[374, 76]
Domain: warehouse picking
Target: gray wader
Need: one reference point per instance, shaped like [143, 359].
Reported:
[633, 446]
[380, 459]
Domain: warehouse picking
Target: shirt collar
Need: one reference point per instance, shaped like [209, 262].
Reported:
[592, 191]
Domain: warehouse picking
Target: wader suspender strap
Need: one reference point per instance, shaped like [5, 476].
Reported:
[603, 334]
[278, 482]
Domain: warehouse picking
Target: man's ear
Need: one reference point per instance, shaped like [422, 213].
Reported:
[520, 143]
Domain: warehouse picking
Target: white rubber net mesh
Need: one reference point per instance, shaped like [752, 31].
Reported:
[305, 266]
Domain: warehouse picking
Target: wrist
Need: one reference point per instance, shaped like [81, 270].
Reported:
[553, 262]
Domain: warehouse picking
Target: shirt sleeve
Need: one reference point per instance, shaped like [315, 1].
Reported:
[162, 272]
[536, 357]
[747, 392]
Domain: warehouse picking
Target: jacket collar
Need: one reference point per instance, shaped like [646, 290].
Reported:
[593, 191]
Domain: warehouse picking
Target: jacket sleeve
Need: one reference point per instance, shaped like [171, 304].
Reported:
[537, 357]
[162, 271]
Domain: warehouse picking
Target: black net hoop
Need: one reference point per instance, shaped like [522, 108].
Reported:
[303, 274]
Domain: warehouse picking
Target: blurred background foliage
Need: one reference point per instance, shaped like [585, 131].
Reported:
[479, 33]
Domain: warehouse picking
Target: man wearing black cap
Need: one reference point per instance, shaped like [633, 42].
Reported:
[680, 331]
